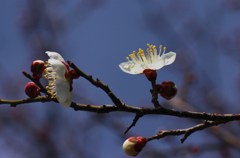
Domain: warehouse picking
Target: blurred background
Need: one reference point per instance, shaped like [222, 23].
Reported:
[97, 35]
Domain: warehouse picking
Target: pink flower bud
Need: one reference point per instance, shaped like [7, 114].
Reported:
[37, 68]
[133, 145]
[167, 89]
[74, 74]
[150, 74]
[32, 90]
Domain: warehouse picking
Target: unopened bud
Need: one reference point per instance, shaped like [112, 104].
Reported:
[167, 89]
[32, 90]
[150, 74]
[133, 145]
[37, 68]
[73, 74]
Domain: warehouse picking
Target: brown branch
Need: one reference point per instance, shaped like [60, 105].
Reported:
[154, 111]
[98, 84]
[14, 103]
[186, 132]
[133, 109]
[212, 119]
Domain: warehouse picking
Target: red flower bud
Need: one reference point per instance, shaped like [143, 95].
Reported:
[37, 68]
[150, 74]
[133, 145]
[167, 89]
[73, 74]
[32, 90]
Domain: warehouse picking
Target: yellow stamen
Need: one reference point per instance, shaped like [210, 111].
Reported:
[152, 52]
[133, 57]
[141, 55]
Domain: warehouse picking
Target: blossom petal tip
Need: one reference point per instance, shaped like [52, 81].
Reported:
[128, 68]
[169, 58]
[54, 55]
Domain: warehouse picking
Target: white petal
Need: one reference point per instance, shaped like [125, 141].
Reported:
[64, 95]
[169, 58]
[62, 85]
[54, 55]
[58, 67]
[131, 68]
[158, 64]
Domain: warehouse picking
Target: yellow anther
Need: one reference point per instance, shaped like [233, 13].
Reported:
[132, 55]
[140, 52]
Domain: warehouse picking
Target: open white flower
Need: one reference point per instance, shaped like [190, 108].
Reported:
[59, 86]
[139, 61]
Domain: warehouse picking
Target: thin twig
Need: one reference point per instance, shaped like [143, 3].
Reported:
[136, 118]
[199, 127]
[186, 132]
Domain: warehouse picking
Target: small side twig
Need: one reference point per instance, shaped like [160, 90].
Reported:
[199, 127]
[136, 118]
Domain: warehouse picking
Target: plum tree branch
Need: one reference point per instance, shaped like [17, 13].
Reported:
[131, 109]
[210, 119]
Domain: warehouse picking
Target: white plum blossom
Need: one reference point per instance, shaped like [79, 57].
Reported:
[152, 59]
[59, 85]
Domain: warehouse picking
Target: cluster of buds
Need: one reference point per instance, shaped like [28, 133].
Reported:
[37, 68]
[133, 145]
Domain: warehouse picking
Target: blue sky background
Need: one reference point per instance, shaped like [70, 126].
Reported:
[98, 38]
